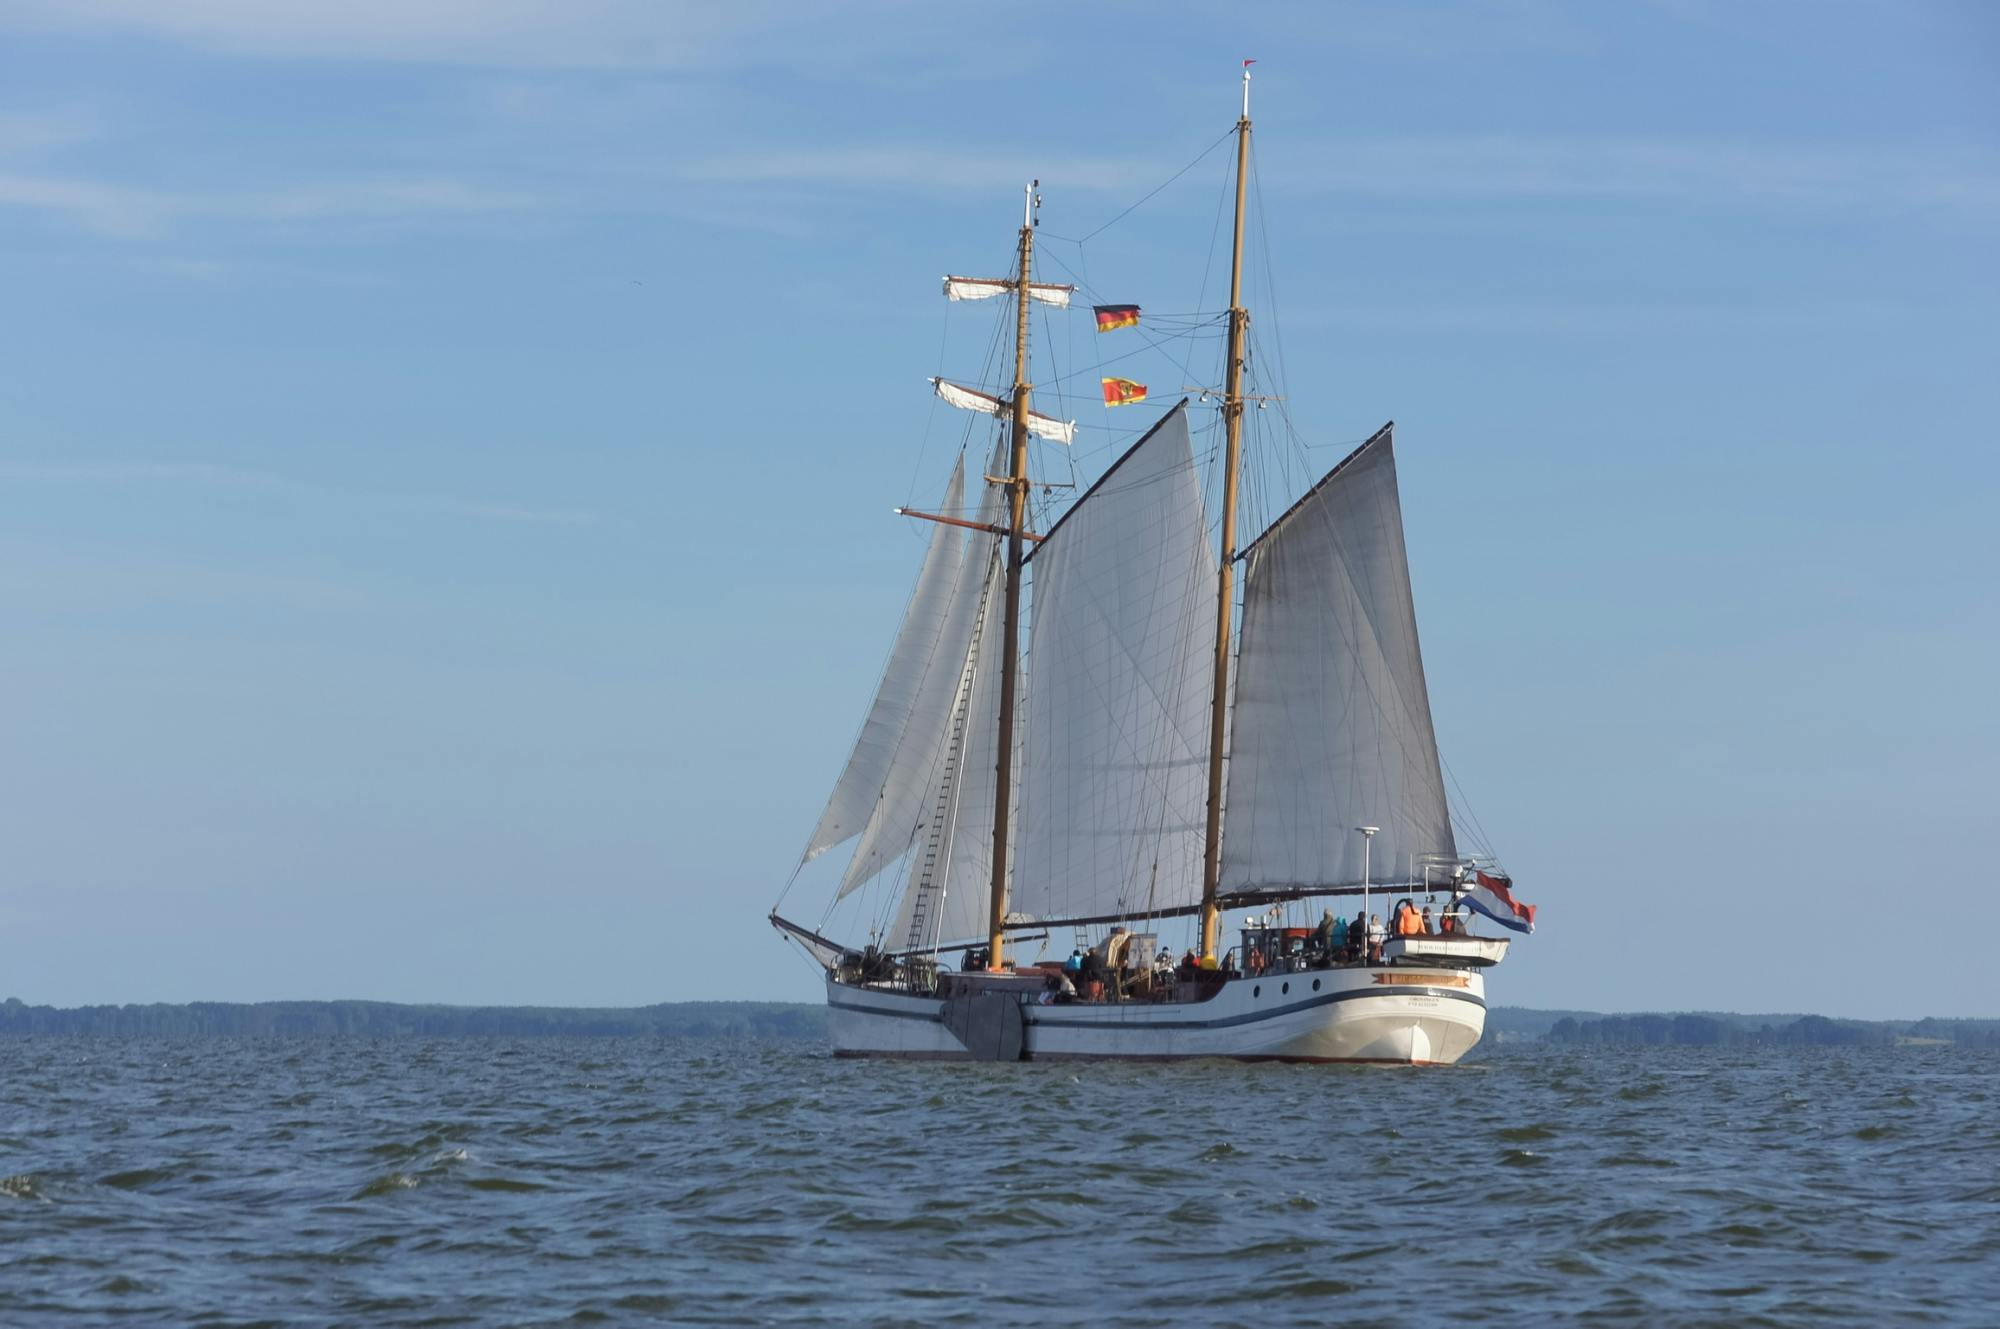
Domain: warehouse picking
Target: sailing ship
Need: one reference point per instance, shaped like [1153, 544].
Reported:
[1144, 764]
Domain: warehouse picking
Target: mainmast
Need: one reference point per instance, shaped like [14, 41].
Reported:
[1232, 419]
[1010, 631]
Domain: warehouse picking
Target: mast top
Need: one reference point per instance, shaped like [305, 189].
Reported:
[1029, 202]
[1246, 87]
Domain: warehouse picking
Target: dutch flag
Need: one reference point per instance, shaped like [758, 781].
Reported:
[1493, 896]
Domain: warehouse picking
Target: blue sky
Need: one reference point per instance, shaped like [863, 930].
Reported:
[446, 453]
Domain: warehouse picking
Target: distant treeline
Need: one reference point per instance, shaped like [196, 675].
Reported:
[1740, 1030]
[382, 1019]
[790, 1020]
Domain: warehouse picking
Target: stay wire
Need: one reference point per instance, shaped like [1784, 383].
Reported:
[1149, 195]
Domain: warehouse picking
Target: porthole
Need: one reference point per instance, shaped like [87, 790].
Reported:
[1315, 985]
[1285, 989]
[1257, 991]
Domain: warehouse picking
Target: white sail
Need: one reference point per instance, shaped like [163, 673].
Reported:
[1114, 774]
[971, 399]
[985, 288]
[948, 898]
[1332, 724]
[914, 770]
[860, 784]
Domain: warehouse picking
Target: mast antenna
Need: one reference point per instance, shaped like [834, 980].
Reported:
[1225, 589]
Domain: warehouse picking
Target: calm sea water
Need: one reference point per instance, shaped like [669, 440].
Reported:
[541, 1182]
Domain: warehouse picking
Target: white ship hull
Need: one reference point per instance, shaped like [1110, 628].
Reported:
[1383, 1014]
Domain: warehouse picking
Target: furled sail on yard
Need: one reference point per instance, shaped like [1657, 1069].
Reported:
[861, 783]
[1114, 780]
[985, 288]
[970, 399]
[1332, 724]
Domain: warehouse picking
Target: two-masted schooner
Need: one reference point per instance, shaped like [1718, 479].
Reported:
[1143, 762]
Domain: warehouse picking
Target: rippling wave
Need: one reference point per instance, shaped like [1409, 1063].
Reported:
[518, 1182]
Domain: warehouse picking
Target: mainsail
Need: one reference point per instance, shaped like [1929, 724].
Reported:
[1332, 723]
[869, 766]
[1117, 715]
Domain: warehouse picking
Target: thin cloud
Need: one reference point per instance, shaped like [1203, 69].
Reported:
[125, 211]
[105, 208]
[582, 34]
[381, 198]
[127, 472]
[1597, 320]
[1696, 172]
[924, 169]
[208, 474]
[26, 132]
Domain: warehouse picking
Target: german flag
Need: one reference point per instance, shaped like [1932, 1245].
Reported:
[1122, 391]
[1110, 318]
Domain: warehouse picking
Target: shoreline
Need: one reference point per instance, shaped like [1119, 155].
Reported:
[807, 1021]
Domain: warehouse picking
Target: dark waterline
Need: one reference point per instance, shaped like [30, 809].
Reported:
[403, 1182]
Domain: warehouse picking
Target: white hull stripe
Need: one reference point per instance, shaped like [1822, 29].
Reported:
[1032, 1016]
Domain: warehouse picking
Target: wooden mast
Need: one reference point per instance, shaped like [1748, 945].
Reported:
[1232, 418]
[1010, 630]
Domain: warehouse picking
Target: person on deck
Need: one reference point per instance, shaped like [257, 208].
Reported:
[1357, 937]
[1324, 934]
[1114, 948]
[1093, 975]
[1427, 921]
[1376, 936]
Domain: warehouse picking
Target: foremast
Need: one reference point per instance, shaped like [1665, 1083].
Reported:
[1010, 629]
[1232, 422]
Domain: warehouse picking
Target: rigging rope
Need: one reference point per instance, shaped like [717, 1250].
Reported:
[1148, 197]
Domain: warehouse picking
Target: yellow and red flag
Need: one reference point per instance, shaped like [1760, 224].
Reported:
[1110, 318]
[1122, 391]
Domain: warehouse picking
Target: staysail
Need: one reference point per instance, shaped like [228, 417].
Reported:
[951, 868]
[1113, 777]
[1332, 724]
[908, 791]
[861, 783]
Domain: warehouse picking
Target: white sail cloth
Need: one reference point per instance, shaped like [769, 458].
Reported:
[1114, 773]
[861, 783]
[945, 899]
[1332, 724]
[985, 288]
[970, 399]
[909, 788]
